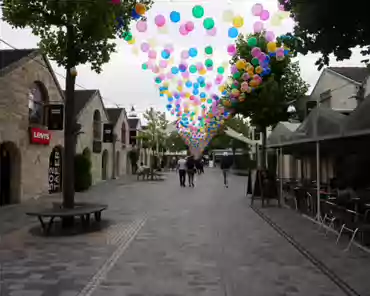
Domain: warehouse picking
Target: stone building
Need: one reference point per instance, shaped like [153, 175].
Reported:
[29, 149]
[92, 115]
[118, 118]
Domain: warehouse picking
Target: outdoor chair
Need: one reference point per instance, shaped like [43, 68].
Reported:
[329, 217]
[349, 225]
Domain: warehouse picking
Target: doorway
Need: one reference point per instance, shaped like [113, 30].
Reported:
[118, 163]
[104, 165]
[9, 173]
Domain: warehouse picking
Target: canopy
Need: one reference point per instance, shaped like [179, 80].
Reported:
[282, 132]
[358, 122]
[238, 136]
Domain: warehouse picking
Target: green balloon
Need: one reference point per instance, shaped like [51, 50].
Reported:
[144, 66]
[209, 101]
[127, 36]
[192, 69]
[203, 84]
[208, 50]
[252, 42]
[220, 70]
[208, 23]
[255, 62]
[198, 11]
[236, 75]
[208, 63]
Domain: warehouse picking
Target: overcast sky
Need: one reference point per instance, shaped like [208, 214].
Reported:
[123, 82]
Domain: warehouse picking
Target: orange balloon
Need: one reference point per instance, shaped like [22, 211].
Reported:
[140, 8]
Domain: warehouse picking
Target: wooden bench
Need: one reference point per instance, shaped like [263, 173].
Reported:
[82, 210]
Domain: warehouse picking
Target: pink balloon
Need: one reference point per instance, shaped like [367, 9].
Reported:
[231, 49]
[212, 32]
[185, 54]
[257, 9]
[141, 26]
[152, 54]
[169, 75]
[233, 69]
[185, 74]
[270, 36]
[163, 64]
[258, 27]
[160, 20]
[183, 30]
[155, 69]
[256, 51]
[199, 66]
[189, 26]
[265, 15]
[145, 47]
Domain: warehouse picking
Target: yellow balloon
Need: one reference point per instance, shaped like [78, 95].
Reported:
[179, 88]
[221, 88]
[203, 72]
[165, 84]
[203, 100]
[259, 70]
[187, 95]
[132, 41]
[253, 83]
[140, 8]
[228, 15]
[238, 21]
[271, 46]
[240, 64]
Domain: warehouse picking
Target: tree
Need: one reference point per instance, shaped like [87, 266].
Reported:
[154, 134]
[268, 103]
[73, 33]
[175, 143]
[329, 28]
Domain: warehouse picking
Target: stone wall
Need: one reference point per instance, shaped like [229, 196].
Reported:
[85, 139]
[34, 159]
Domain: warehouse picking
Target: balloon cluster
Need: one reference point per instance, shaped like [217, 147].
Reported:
[192, 81]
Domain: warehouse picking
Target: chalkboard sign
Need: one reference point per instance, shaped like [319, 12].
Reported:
[55, 171]
[55, 117]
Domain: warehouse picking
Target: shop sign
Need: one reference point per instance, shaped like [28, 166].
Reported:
[55, 117]
[55, 168]
[108, 133]
[40, 136]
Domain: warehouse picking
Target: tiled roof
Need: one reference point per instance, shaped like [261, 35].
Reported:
[357, 74]
[113, 114]
[10, 56]
[82, 97]
[132, 122]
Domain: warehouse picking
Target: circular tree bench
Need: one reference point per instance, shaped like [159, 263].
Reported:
[82, 210]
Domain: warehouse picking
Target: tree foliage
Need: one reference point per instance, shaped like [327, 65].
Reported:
[175, 143]
[223, 141]
[268, 103]
[94, 25]
[154, 132]
[329, 28]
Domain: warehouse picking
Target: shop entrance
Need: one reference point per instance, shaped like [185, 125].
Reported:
[9, 173]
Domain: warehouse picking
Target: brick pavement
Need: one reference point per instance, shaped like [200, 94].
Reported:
[162, 240]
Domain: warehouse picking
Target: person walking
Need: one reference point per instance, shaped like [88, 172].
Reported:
[190, 165]
[226, 164]
[181, 167]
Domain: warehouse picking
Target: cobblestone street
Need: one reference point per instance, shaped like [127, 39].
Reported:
[160, 239]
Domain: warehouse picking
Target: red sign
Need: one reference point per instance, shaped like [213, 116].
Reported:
[40, 136]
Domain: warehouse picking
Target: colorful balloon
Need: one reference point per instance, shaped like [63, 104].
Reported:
[212, 32]
[233, 32]
[175, 17]
[238, 21]
[189, 26]
[198, 11]
[208, 23]
[140, 8]
[141, 26]
[257, 9]
[160, 20]
[208, 50]
[265, 15]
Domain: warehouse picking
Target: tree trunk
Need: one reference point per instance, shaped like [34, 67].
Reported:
[263, 154]
[69, 131]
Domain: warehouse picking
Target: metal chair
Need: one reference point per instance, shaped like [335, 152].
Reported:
[329, 217]
[349, 225]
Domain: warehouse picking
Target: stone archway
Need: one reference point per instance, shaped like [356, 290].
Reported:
[118, 163]
[10, 173]
[104, 167]
[55, 170]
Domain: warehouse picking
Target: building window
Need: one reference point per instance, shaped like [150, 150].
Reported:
[97, 126]
[123, 133]
[37, 100]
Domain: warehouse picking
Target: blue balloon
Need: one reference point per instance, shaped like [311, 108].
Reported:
[170, 99]
[196, 85]
[203, 95]
[134, 15]
[174, 70]
[169, 106]
[188, 84]
[272, 54]
[193, 52]
[195, 91]
[175, 16]
[177, 96]
[200, 79]
[233, 32]
[286, 51]
[165, 54]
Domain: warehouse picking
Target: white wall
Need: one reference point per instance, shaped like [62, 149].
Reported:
[341, 90]
[119, 147]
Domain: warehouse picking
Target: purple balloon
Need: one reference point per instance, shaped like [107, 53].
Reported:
[234, 69]
[258, 27]
[270, 36]
[256, 51]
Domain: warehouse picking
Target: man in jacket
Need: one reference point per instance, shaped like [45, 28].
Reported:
[226, 163]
